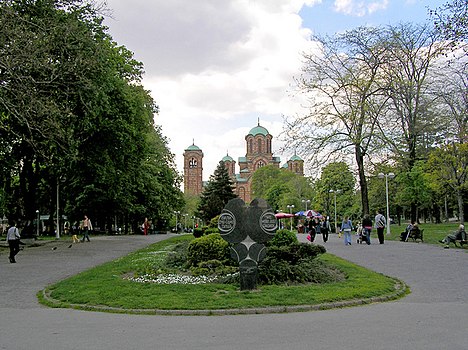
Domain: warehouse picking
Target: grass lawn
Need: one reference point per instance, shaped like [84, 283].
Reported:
[105, 285]
[433, 233]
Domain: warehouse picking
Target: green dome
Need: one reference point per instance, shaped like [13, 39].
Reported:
[193, 148]
[227, 158]
[258, 130]
[295, 158]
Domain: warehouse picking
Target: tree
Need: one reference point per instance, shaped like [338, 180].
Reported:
[336, 176]
[74, 114]
[216, 194]
[280, 187]
[409, 127]
[449, 165]
[343, 82]
[451, 19]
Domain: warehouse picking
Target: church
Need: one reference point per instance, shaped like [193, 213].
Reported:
[258, 154]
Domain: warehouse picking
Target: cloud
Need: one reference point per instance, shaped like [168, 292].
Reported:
[214, 67]
[359, 8]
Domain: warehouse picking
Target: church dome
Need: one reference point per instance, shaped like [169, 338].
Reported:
[193, 148]
[295, 158]
[227, 158]
[258, 130]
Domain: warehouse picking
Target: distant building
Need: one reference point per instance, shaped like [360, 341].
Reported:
[258, 154]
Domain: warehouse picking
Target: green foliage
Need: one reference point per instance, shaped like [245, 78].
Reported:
[280, 187]
[205, 248]
[89, 123]
[295, 263]
[198, 232]
[216, 194]
[211, 230]
[283, 238]
[214, 222]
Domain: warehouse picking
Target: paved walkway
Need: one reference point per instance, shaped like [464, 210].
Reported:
[433, 316]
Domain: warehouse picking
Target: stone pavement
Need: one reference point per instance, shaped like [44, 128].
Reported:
[433, 316]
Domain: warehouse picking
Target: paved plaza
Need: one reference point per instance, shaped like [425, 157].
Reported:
[433, 316]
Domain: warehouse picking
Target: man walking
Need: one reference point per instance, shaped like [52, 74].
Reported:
[380, 224]
[13, 239]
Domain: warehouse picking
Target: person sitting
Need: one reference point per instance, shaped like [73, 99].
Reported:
[459, 235]
[405, 234]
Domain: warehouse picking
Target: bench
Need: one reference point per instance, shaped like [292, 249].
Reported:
[416, 234]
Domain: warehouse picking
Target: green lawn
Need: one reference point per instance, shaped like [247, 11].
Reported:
[433, 233]
[105, 286]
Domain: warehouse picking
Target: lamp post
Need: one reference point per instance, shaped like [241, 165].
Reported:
[193, 223]
[176, 220]
[185, 221]
[37, 224]
[334, 193]
[387, 176]
[306, 201]
[57, 232]
[290, 207]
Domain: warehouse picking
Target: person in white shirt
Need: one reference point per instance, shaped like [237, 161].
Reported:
[380, 224]
[13, 239]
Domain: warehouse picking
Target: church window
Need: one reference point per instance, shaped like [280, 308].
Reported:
[259, 146]
[192, 163]
[260, 164]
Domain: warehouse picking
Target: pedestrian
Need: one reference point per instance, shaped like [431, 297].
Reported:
[325, 228]
[346, 228]
[311, 229]
[146, 226]
[86, 226]
[318, 227]
[13, 239]
[367, 227]
[380, 224]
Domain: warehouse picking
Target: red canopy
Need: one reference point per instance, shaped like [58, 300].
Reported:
[283, 215]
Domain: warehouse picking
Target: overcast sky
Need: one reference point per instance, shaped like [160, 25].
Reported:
[215, 66]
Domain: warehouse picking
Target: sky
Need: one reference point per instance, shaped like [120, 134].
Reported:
[216, 67]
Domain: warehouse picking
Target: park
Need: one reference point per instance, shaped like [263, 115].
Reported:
[108, 240]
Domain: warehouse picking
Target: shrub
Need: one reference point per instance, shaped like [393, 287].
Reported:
[294, 263]
[211, 230]
[178, 257]
[205, 248]
[214, 222]
[198, 232]
[283, 237]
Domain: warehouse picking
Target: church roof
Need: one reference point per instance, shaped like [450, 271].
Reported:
[227, 158]
[258, 130]
[296, 158]
[193, 148]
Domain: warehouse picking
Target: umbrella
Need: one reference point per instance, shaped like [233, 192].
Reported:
[313, 213]
[300, 213]
[283, 215]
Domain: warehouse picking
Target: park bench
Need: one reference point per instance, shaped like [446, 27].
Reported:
[416, 234]
[462, 240]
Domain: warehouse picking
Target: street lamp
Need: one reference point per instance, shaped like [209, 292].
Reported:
[37, 225]
[306, 201]
[176, 218]
[185, 221]
[334, 193]
[387, 176]
[290, 207]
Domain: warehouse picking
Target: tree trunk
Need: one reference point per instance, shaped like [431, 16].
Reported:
[362, 181]
[461, 208]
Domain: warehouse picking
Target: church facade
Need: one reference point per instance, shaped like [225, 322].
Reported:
[258, 154]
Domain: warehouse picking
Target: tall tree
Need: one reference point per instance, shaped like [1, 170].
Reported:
[412, 59]
[73, 113]
[216, 194]
[343, 82]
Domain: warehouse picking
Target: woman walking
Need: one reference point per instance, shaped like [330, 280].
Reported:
[346, 228]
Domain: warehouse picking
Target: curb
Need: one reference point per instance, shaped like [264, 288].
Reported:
[400, 290]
